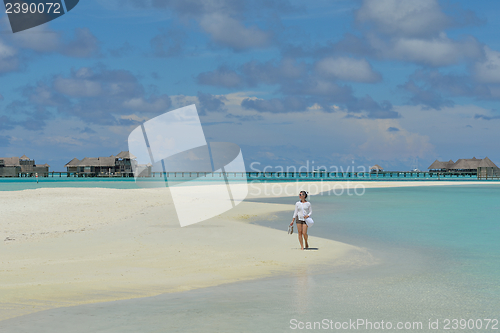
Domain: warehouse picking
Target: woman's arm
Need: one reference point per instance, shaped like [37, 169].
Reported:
[294, 214]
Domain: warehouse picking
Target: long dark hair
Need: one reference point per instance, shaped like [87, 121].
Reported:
[305, 194]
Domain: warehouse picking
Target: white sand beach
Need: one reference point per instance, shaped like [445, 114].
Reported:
[70, 246]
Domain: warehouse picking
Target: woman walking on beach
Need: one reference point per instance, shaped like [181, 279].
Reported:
[302, 211]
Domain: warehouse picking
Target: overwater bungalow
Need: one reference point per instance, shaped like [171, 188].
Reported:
[441, 166]
[483, 168]
[22, 167]
[113, 166]
[487, 169]
[376, 168]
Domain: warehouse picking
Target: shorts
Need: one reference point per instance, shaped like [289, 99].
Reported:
[301, 222]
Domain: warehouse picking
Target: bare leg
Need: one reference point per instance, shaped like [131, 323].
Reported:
[304, 233]
[299, 229]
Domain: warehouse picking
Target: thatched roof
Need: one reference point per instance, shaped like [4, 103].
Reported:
[125, 154]
[461, 164]
[73, 162]
[93, 161]
[466, 164]
[473, 163]
[89, 161]
[107, 161]
[487, 163]
[10, 161]
[15, 161]
[100, 161]
[437, 165]
[376, 167]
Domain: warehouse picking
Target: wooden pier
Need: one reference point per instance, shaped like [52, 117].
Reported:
[269, 176]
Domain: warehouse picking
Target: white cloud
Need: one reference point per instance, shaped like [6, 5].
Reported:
[77, 87]
[42, 39]
[42, 95]
[448, 129]
[6, 51]
[488, 71]
[16, 49]
[179, 101]
[316, 106]
[153, 105]
[134, 117]
[414, 31]
[8, 58]
[439, 51]
[348, 69]
[404, 18]
[229, 32]
[383, 145]
[236, 98]
[39, 39]
[84, 44]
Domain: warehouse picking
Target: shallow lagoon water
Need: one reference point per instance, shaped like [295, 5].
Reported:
[438, 249]
[30, 183]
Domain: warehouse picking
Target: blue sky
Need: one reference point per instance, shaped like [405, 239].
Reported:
[394, 83]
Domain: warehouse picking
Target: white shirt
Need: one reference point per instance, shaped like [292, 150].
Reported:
[298, 210]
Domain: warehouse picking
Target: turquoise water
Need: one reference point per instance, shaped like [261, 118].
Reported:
[439, 258]
[455, 228]
[462, 221]
[18, 184]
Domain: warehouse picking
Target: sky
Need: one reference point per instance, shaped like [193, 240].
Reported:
[322, 83]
